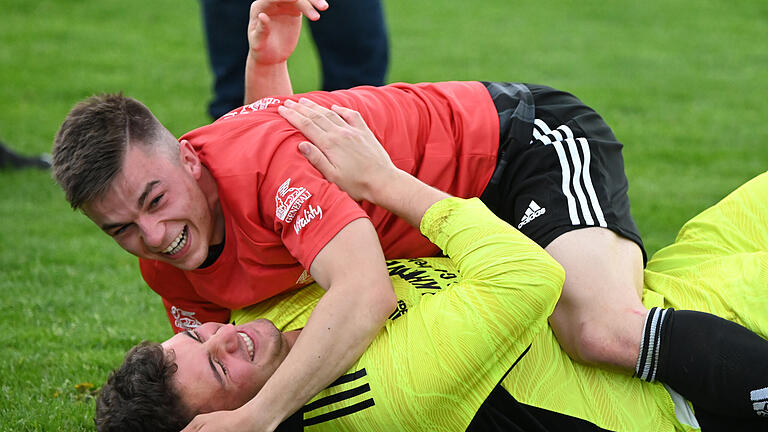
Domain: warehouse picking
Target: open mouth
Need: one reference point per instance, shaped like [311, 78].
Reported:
[248, 344]
[178, 243]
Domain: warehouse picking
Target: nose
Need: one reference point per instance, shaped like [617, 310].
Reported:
[152, 231]
[225, 339]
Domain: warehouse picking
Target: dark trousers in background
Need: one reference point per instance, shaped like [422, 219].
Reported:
[351, 39]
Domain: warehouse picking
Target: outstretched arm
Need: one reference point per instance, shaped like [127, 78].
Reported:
[273, 32]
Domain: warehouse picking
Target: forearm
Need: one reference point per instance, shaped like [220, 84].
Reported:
[404, 195]
[266, 80]
[341, 327]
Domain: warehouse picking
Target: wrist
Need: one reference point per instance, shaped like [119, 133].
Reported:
[387, 189]
[253, 60]
[257, 416]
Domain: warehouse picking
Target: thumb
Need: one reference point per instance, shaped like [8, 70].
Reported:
[317, 158]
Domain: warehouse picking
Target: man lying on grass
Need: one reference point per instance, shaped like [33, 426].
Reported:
[463, 325]
[232, 214]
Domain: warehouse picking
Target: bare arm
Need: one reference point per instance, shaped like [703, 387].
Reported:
[358, 300]
[342, 325]
[273, 32]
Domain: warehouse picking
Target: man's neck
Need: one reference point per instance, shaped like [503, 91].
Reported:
[211, 191]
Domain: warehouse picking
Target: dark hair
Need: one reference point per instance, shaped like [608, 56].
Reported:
[140, 395]
[89, 147]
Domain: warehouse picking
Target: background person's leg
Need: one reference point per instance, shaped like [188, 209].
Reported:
[351, 40]
[226, 25]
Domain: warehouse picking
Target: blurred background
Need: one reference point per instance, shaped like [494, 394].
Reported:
[683, 85]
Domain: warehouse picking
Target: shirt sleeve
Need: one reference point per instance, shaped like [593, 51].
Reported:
[303, 208]
[434, 368]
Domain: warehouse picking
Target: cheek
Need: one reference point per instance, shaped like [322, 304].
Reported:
[129, 243]
[247, 384]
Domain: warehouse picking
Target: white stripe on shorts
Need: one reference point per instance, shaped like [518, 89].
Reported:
[564, 166]
[581, 176]
[588, 181]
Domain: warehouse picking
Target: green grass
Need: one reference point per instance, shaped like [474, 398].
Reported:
[683, 84]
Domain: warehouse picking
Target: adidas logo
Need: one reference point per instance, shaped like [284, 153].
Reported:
[760, 401]
[532, 212]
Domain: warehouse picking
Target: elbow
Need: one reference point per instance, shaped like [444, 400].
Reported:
[387, 303]
[381, 303]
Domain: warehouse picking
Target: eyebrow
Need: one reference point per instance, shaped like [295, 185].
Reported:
[147, 190]
[142, 198]
[210, 360]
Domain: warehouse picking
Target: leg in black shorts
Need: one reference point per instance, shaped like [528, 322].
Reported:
[560, 180]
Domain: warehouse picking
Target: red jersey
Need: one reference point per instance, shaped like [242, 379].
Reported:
[280, 211]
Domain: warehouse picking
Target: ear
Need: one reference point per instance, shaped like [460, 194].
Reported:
[189, 159]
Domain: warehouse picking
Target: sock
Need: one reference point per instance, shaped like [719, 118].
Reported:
[716, 364]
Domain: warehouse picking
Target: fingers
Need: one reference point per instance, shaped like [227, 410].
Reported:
[310, 117]
[310, 8]
[304, 124]
[319, 4]
[350, 116]
[317, 159]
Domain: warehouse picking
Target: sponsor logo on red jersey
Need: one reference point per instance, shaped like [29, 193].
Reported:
[307, 216]
[259, 105]
[288, 200]
[183, 319]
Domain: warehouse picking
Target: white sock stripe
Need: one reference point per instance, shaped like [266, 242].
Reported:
[588, 183]
[651, 345]
[657, 345]
[759, 394]
[642, 344]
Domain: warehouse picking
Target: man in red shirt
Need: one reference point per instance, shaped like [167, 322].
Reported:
[232, 213]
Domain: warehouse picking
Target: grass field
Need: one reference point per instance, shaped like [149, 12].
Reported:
[683, 84]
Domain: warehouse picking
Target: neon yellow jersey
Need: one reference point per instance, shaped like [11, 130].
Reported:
[718, 264]
[719, 261]
[459, 326]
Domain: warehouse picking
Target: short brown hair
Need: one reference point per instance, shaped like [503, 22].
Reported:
[90, 145]
[140, 395]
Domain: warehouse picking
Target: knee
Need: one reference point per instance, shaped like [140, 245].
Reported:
[613, 343]
[594, 343]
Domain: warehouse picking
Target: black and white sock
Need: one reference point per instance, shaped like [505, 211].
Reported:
[716, 364]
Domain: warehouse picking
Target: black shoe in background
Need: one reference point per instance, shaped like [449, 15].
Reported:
[12, 160]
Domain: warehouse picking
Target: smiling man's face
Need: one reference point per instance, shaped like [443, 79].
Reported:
[221, 367]
[156, 209]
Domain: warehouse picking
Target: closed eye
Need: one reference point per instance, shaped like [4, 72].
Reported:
[223, 368]
[154, 203]
[196, 336]
[120, 230]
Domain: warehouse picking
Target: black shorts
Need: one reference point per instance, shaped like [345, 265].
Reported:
[560, 167]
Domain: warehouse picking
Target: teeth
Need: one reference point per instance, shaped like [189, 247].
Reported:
[177, 244]
[248, 343]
